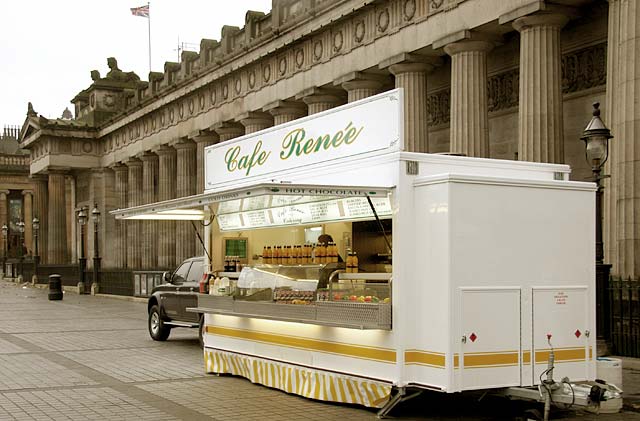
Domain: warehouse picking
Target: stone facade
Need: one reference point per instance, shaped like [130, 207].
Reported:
[16, 196]
[487, 78]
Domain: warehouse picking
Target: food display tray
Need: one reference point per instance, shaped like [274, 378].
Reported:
[327, 313]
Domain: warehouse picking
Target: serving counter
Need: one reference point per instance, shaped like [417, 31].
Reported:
[350, 300]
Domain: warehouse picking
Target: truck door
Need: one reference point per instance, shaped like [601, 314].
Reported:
[171, 298]
[490, 354]
[189, 291]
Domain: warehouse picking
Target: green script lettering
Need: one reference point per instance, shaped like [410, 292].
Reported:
[245, 162]
[294, 143]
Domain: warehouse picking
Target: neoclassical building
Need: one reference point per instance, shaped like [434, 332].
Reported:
[511, 80]
[16, 195]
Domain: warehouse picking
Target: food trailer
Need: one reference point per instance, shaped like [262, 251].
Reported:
[473, 273]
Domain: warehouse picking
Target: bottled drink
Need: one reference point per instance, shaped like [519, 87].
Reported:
[354, 262]
[265, 258]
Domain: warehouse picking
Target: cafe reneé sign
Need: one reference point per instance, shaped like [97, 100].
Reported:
[361, 127]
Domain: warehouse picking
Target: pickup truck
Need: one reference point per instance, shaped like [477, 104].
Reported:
[168, 302]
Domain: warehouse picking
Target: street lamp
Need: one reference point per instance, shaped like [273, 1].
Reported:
[5, 234]
[82, 260]
[95, 215]
[36, 256]
[596, 138]
[20, 225]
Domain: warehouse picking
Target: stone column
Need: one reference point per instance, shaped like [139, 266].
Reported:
[320, 99]
[360, 85]
[227, 131]
[4, 219]
[540, 112]
[134, 228]
[27, 196]
[285, 111]
[410, 72]
[624, 50]
[610, 209]
[149, 195]
[469, 129]
[57, 241]
[185, 186]
[166, 191]
[41, 205]
[254, 121]
[202, 139]
[120, 240]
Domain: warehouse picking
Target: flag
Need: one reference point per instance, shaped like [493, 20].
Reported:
[140, 11]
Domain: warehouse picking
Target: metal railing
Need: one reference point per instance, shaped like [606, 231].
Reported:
[624, 300]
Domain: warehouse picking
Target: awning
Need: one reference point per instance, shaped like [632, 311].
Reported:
[269, 205]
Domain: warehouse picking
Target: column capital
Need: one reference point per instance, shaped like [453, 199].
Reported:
[133, 162]
[59, 170]
[119, 167]
[5, 192]
[204, 136]
[255, 117]
[405, 62]
[277, 108]
[315, 95]
[467, 46]
[554, 20]
[147, 156]
[164, 150]
[228, 129]
[361, 80]
[39, 177]
[467, 35]
[183, 143]
[26, 192]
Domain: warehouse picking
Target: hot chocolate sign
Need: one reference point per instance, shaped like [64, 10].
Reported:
[362, 127]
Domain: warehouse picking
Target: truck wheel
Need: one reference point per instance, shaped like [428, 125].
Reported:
[157, 328]
[201, 331]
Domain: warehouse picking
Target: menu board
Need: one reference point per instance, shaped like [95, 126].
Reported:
[232, 221]
[255, 202]
[230, 206]
[306, 213]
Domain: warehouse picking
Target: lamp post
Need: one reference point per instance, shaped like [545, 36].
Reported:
[596, 138]
[82, 260]
[36, 256]
[20, 225]
[5, 235]
[95, 215]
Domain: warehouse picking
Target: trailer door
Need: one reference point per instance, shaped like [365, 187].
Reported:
[562, 313]
[490, 354]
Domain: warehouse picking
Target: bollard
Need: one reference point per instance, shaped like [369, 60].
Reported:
[55, 287]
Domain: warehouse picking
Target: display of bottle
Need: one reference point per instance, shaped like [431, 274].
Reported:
[320, 253]
[354, 263]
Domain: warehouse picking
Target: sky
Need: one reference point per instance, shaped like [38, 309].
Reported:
[48, 48]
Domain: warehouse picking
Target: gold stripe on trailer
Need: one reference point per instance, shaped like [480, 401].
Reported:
[561, 355]
[430, 359]
[349, 350]
[499, 359]
[307, 382]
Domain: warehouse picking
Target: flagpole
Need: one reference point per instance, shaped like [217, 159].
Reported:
[149, 25]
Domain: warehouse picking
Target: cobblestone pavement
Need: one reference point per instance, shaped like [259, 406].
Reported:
[90, 357]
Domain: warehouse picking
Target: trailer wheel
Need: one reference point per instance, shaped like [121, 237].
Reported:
[157, 329]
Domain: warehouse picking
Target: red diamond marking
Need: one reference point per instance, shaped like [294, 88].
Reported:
[578, 333]
[473, 337]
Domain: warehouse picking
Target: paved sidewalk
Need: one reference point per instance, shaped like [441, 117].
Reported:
[89, 357]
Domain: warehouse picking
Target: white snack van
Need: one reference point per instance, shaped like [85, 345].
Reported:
[471, 270]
